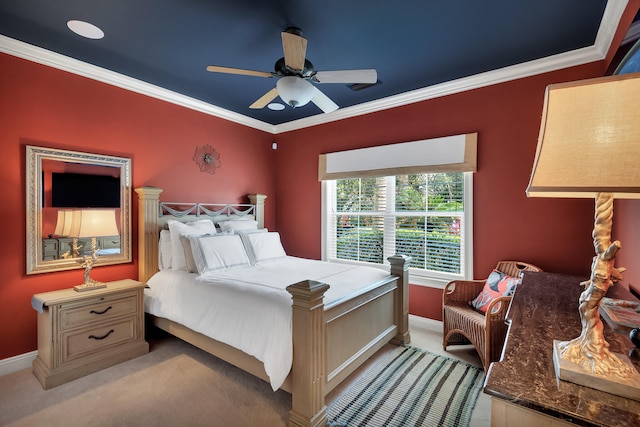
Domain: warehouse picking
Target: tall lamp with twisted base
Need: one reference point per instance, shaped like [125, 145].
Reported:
[589, 146]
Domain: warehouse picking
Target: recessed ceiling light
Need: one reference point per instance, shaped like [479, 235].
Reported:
[275, 106]
[85, 29]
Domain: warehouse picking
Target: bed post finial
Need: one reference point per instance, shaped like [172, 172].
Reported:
[258, 201]
[400, 268]
[148, 234]
[309, 361]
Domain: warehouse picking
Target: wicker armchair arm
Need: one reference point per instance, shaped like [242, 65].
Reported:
[462, 290]
[497, 309]
[495, 328]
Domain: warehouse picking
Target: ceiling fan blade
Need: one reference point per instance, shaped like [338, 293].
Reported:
[265, 99]
[295, 49]
[229, 70]
[347, 76]
[323, 101]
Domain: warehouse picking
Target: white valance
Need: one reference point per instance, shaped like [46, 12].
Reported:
[456, 153]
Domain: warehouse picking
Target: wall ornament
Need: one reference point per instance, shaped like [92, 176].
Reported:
[207, 158]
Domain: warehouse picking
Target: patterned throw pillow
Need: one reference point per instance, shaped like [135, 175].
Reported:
[497, 285]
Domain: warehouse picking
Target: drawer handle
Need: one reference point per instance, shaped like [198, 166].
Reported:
[93, 337]
[101, 312]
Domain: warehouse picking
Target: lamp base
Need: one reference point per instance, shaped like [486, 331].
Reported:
[569, 371]
[89, 286]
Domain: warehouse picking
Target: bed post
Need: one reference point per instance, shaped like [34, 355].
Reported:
[309, 355]
[400, 268]
[258, 201]
[148, 214]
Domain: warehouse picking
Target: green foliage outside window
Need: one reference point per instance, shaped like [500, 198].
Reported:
[437, 251]
[427, 215]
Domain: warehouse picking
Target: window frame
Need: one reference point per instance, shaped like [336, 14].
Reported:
[416, 276]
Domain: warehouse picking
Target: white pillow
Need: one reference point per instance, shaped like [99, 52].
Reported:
[185, 240]
[257, 230]
[263, 246]
[188, 253]
[164, 250]
[193, 228]
[238, 225]
[212, 253]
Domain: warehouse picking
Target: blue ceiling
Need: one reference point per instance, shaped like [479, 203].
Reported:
[412, 44]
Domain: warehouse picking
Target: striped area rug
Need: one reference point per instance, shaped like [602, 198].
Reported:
[411, 387]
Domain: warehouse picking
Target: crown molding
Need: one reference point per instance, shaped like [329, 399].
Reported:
[610, 21]
[55, 60]
[488, 78]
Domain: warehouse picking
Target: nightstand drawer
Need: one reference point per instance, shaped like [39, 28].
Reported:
[89, 341]
[50, 245]
[98, 310]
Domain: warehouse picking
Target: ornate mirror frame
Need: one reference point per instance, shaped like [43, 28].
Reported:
[35, 194]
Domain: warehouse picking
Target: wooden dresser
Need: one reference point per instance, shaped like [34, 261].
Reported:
[83, 332]
[523, 386]
[59, 247]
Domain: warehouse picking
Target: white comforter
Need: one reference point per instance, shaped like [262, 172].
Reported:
[249, 307]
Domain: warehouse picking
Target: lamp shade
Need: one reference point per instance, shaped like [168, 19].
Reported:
[589, 139]
[295, 91]
[63, 224]
[94, 223]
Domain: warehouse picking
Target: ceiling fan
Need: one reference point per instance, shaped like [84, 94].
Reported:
[295, 74]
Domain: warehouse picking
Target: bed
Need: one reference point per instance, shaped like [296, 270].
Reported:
[332, 329]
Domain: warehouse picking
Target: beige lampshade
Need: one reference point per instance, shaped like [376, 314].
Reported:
[589, 139]
[94, 223]
[63, 224]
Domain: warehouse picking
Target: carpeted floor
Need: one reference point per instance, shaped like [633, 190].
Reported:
[175, 384]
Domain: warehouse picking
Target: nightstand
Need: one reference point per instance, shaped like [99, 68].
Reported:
[83, 332]
[49, 249]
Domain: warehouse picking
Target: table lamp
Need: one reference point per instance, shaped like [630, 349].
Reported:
[589, 146]
[92, 223]
[63, 228]
[63, 224]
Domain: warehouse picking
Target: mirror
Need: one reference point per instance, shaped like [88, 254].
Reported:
[59, 182]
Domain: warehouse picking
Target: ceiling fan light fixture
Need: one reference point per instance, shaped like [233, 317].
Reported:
[275, 106]
[294, 91]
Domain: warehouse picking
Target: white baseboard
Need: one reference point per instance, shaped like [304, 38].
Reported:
[17, 363]
[425, 323]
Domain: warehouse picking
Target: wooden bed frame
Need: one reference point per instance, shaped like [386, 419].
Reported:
[329, 341]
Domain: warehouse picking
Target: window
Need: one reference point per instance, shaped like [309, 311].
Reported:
[424, 216]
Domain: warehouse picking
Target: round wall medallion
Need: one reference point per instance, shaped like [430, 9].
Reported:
[207, 158]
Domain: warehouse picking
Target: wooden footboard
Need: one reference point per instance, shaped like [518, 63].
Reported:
[329, 342]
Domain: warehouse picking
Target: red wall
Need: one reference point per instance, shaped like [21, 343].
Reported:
[47, 107]
[51, 108]
[554, 234]
[507, 223]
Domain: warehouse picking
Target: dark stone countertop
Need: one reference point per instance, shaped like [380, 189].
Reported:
[544, 308]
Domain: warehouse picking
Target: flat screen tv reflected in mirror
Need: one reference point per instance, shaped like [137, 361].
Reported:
[74, 190]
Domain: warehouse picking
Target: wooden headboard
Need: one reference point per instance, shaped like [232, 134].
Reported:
[154, 215]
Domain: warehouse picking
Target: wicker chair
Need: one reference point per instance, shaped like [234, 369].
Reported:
[462, 324]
